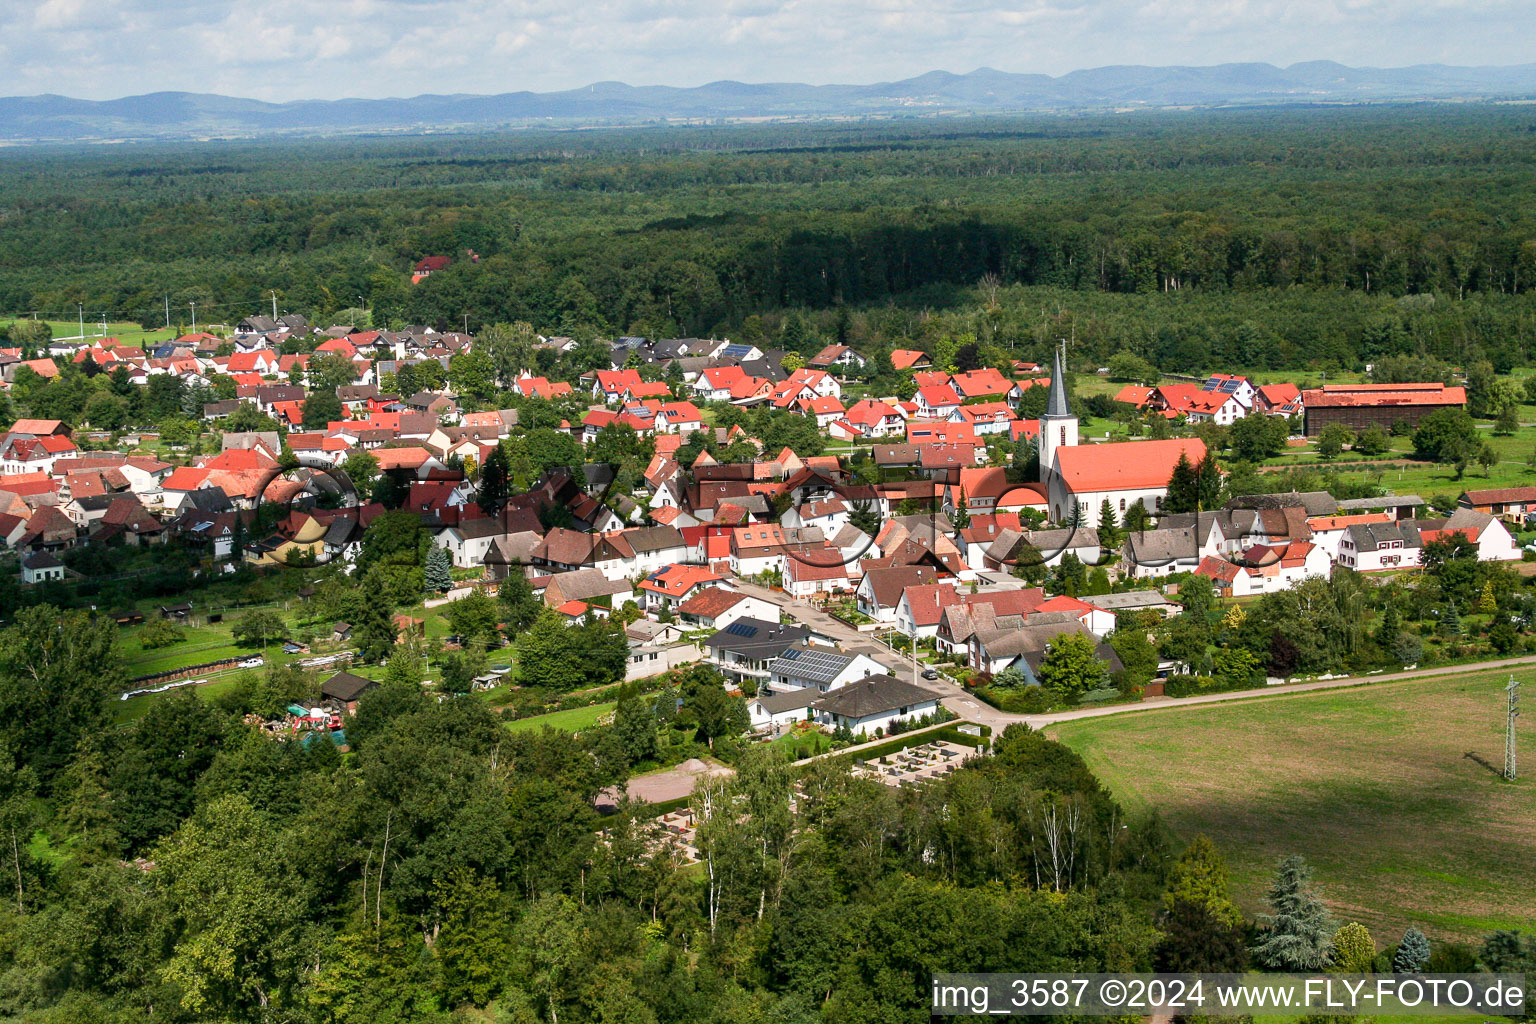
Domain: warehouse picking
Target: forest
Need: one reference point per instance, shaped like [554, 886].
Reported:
[1266, 238]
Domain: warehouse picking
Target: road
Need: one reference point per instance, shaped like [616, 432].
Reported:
[850, 639]
[972, 709]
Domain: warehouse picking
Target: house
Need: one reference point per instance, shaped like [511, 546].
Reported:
[979, 384]
[1163, 552]
[936, 401]
[808, 666]
[1279, 400]
[717, 608]
[1359, 406]
[670, 586]
[1264, 569]
[909, 359]
[345, 689]
[874, 418]
[1240, 388]
[1329, 531]
[1512, 504]
[811, 570]
[775, 711]
[41, 567]
[921, 606]
[743, 650]
[585, 585]
[837, 355]
[880, 592]
[980, 612]
[468, 542]
[869, 706]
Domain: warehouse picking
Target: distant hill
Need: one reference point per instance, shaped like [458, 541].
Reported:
[171, 115]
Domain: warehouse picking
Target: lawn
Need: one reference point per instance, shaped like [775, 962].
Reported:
[127, 333]
[1373, 785]
[573, 720]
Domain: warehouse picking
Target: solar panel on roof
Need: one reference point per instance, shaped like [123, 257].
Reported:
[741, 629]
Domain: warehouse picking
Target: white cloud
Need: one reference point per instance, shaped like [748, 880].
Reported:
[287, 49]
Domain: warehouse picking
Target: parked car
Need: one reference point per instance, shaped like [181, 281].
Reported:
[252, 663]
[930, 673]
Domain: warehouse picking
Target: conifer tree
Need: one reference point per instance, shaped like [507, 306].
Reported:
[438, 574]
[1300, 935]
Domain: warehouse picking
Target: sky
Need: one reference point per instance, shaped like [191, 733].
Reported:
[328, 49]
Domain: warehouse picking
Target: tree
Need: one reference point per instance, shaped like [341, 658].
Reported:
[259, 627]
[1300, 932]
[1130, 368]
[520, 607]
[236, 912]
[716, 713]
[634, 721]
[549, 654]
[374, 631]
[1255, 438]
[1198, 596]
[1136, 654]
[1137, 518]
[1447, 436]
[962, 517]
[1412, 953]
[362, 469]
[57, 670]
[1373, 441]
[158, 633]
[1109, 527]
[1200, 876]
[1508, 421]
[437, 577]
[322, 407]
[1183, 487]
[863, 517]
[1071, 666]
[493, 492]
[1354, 951]
[1333, 439]
[473, 617]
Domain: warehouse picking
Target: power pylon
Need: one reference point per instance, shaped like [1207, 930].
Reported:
[1513, 712]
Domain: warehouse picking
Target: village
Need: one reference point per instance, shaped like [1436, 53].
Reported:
[941, 539]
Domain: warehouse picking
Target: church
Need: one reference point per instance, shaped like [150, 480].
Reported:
[1078, 478]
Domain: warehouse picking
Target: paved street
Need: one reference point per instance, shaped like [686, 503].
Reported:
[972, 709]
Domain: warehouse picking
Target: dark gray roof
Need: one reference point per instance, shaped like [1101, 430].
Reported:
[756, 638]
[1317, 503]
[1161, 546]
[816, 664]
[1388, 501]
[345, 687]
[872, 696]
[1056, 405]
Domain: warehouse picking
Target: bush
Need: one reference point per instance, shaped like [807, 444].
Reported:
[1026, 700]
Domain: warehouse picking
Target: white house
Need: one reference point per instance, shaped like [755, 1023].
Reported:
[804, 666]
[871, 705]
[41, 567]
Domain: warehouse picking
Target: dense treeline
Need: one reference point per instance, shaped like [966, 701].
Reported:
[668, 231]
[188, 867]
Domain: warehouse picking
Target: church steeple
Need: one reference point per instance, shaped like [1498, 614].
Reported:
[1058, 426]
[1057, 406]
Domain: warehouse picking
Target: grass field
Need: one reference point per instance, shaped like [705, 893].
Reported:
[1372, 785]
[127, 333]
[564, 721]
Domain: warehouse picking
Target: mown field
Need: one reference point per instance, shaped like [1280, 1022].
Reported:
[1379, 787]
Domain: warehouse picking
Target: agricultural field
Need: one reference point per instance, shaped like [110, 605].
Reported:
[571, 720]
[1384, 789]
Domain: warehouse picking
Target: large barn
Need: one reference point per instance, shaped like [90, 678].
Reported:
[1358, 406]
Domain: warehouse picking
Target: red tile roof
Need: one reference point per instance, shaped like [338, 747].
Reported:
[1127, 465]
